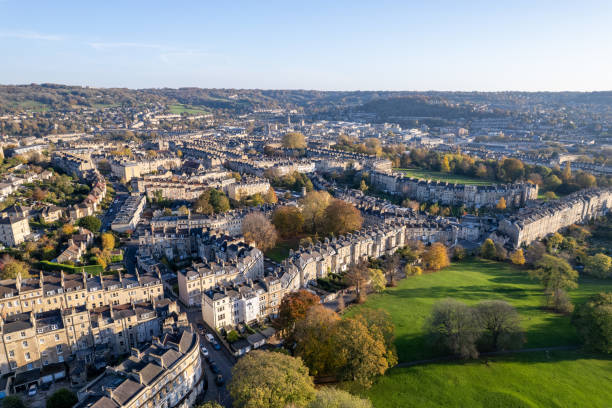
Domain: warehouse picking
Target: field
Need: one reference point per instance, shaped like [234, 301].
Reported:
[529, 379]
[538, 379]
[439, 176]
[472, 281]
[178, 108]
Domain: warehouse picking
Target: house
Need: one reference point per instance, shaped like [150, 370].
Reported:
[51, 213]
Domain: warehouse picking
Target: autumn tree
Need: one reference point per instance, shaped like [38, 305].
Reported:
[358, 275]
[288, 221]
[67, 229]
[270, 197]
[313, 209]
[566, 175]
[535, 252]
[314, 336]
[454, 326]
[414, 205]
[436, 256]
[257, 229]
[501, 204]
[392, 265]
[13, 267]
[517, 257]
[585, 180]
[293, 307]
[342, 217]
[557, 276]
[268, 379]
[553, 242]
[379, 321]
[593, 321]
[294, 140]
[445, 165]
[328, 397]
[488, 250]
[108, 241]
[361, 352]
[500, 324]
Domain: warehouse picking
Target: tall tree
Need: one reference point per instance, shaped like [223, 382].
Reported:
[501, 204]
[313, 208]
[392, 265]
[599, 265]
[13, 267]
[556, 275]
[454, 326]
[436, 256]
[328, 397]
[108, 241]
[357, 275]
[501, 325]
[294, 140]
[293, 307]
[488, 250]
[268, 379]
[342, 217]
[517, 257]
[258, 230]
[593, 320]
[315, 340]
[288, 221]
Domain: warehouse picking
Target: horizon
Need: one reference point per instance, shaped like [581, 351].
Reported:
[343, 46]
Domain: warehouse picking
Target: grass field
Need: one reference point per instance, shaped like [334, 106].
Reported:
[533, 379]
[472, 281]
[539, 379]
[451, 178]
[178, 108]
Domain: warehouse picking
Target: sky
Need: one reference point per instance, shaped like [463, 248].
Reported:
[536, 45]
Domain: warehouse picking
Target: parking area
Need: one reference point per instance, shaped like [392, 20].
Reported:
[39, 400]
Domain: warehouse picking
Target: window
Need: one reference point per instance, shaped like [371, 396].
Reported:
[11, 353]
[58, 348]
[25, 343]
[23, 334]
[27, 356]
[41, 341]
[57, 337]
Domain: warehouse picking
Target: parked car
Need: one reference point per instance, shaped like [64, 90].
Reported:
[216, 346]
[204, 351]
[200, 328]
[32, 390]
[45, 386]
[214, 368]
[210, 338]
[219, 380]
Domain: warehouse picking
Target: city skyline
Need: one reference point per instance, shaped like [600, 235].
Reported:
[550, 46]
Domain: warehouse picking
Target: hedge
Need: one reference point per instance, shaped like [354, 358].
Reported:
[54, 266]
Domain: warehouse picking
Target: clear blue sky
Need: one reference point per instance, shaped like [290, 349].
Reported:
[327, 45]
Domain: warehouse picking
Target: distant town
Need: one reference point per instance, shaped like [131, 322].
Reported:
[192, 247]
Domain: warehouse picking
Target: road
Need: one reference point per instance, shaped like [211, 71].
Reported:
[222, 358]
[109, 216]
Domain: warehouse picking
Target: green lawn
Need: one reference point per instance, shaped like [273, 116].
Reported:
[451, 178]
[539, 379]
[472, 281]
[191, 110]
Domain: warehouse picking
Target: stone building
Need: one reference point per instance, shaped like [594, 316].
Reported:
[13, 230]
[533, 223]
[516, 195]
[165, 373]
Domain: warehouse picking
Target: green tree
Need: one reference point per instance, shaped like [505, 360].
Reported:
[13, 401]
[593, 321]
[90, 222]
[62, 398]
[313, 209]
[598, 265]
[378, 282]
[488, 250]
[328, 397]
[556, 275]
[12, 267]
[271, 380]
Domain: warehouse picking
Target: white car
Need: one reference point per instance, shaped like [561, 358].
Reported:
[210, 338]
[32, 390]
[204, 351]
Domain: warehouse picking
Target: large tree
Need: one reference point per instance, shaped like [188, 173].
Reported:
[599, 265]
[294, 140]
[556, 275]
[90, 222]
[315, 337]
[13, 401]
[62, 398]
[257, 229]
[501, 326]
[379, 321]
[288, 221]
[13, 267]
[454, 326]
[272, 380]
[313, 209]
[593, 320]
[342, 217]
[361, 352]
[358, 275]
[108, 241]
[488, 250]
[293, 307]
[436, 256]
